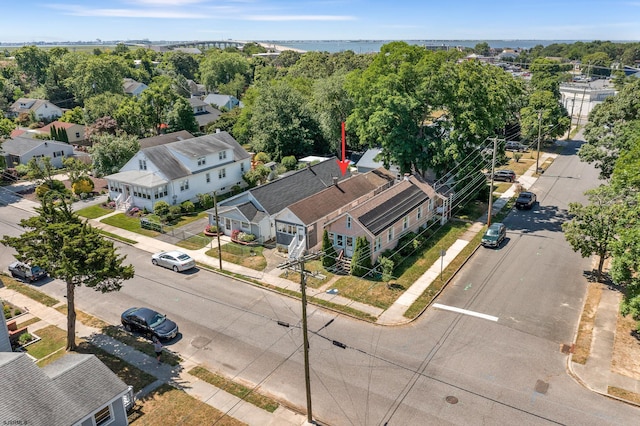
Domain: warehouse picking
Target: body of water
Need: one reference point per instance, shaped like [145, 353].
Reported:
[368, 46]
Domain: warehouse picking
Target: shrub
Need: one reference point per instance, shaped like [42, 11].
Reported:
[188, 207]
[289, 162]
[22, 169]
[175, 211]
[212, 229]
[161, 208]
[83, 184]
[205, 200]
[517, 156]
[386, 266]
[361, 260]
[42, 190]
[262, 157]
[25, 338]
[329, 256]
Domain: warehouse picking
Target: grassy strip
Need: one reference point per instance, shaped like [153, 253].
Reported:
[128, 373]
[140, 344]
[128, 223]
[28, 322]
[433, 290]
[250, 257]
[93, 212]
[117, 237]
[167, 405]
[84, 318]
[29, 291]
[195, 242]
[311, 280]
[582, 347]
[235, 389]
[52, 339]
[624, 394]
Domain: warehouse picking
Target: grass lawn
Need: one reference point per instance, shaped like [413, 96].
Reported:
[248, 256]
[28, 291]
[128, 373]
[51, 337]
[128, 223]
[311, 280]
[140, 344]
[117, 237]
[195, 242]
[170, 406]
[93, 212]
[234, 388]
[28, 322]
[84, 318]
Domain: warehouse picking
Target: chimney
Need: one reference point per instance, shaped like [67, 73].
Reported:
[217, 130]
[335, 180]
[407, 176]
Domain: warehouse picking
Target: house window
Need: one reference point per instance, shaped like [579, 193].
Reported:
[202, 161]
[283, 228]
[184, 185]
[208, 177]
[242, 167]
[142, 164]
[419, 212]
[348, 222]
[227, 224]
[160, 192]
[332, 237]
[340, 240]
[377, 244]
[57, 154]
[244, 225]
[103, 416]
[77, 134]
[405, 223]
[390, 235]
[222, 173]
[222, 155]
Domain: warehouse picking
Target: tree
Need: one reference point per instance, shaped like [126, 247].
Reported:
[102, 105]
[329, 254]
[75, 168]
[6, 127]
[96, 75]
[75, 115]
[332, 105]
[482, 49]
[592, 229]
[543, 116]
[182, 63]
[156, 102]
[219, 68]
[33, 61]
[111, 152]
[181, 117]
[72, 251]
[546, 74]
[282, 124]
[103, 125]
[130, 117]
[361, 260]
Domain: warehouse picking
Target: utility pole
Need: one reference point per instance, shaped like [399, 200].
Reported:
[305, 335]
[539, 135]
[215, 205]
[493, 170]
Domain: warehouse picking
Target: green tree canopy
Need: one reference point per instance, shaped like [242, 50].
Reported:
[219, 68]
[110, 152]
[181, 117]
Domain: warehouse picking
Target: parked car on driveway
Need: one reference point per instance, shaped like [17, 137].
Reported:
[505, 175]
[176, 260]
[26, 272]
[494, 236]
[526, 200]
[149, 322]
[514, 146]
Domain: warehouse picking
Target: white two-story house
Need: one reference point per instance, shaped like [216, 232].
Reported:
[179, 171]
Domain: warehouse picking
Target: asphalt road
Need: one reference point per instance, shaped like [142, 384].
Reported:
[445, 368]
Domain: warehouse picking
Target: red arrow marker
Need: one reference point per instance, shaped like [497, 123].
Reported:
[344, 164]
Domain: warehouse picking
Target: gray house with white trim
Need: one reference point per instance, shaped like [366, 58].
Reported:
[19, 150]
[179, 171]
[76, 389]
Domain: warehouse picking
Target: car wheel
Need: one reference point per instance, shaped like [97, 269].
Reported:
[155, 262]
[127, 327]
[175, 268]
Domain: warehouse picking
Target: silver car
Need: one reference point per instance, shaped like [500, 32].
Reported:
[176, 260]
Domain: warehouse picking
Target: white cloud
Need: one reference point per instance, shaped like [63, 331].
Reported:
[299, 18]
[127, 13]
[165, 2]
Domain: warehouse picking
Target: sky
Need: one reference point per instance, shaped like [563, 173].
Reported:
[23, 21]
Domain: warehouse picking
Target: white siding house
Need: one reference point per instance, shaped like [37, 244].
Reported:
[43, 109]
[179, 171]
[20, 150]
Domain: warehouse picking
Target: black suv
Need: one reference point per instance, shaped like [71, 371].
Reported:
[505, 175]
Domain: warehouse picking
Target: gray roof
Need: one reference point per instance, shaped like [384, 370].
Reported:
[30, 104]
[252, 214]
[166, 162]
[21, 145]
[138, 177]
[280, 193]
[211, 115]
[62, 393]
[368, 161]
[166, 138]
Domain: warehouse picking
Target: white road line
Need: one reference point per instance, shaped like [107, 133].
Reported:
[465, 312]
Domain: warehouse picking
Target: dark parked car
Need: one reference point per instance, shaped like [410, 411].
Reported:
[505, 175]
[26, 272]
[514, 146]
[494, 236]
[526, 200]
[149, 322]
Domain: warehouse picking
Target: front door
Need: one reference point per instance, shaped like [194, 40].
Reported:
[348, 249]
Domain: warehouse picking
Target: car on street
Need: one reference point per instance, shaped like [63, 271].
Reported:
[26, 272]
[176, 260]
[494, 236]
[505, 175]
[526, 200]
[149, 322]
[515, 146]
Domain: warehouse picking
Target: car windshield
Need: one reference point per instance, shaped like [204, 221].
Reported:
[525, 195]
[184, 257]
[492, 232]
[156, 320]
[36, 269]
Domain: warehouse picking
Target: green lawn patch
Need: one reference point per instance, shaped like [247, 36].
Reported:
[117, 237]
[195, 242]
[316, 277]
[28, 322]
[84, 318]
[128, 373]
[241, 391]
[371, 292]
[167, 405]
[128, 223]
[28, 291]
[94, 212]
[143, 345]
[52, 339]
[248, 256]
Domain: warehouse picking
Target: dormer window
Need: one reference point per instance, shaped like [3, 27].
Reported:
[222, 155]
[142, 164]
[202, 161]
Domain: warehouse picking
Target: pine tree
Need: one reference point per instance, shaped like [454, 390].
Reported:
[329, 256]
[361, 261]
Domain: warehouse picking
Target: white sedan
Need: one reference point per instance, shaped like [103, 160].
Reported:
[176, 260]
